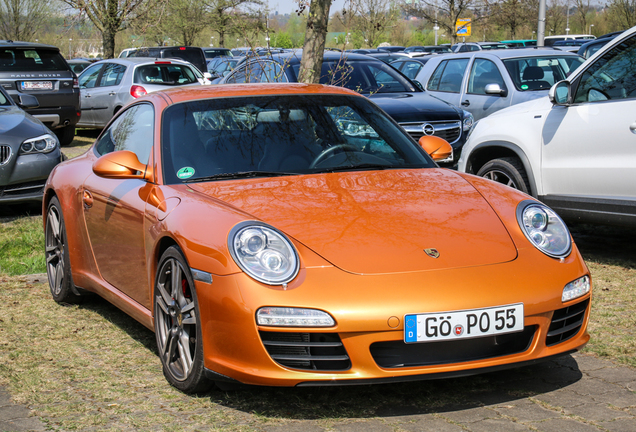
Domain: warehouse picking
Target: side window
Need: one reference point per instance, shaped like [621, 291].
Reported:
[484, 72]
[113, 73]
[448, 76]
[88, 79]
[611, 76]
[133, 130]
[238, 76]
[410, 69]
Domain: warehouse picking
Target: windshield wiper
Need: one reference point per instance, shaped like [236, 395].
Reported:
[359, 167]
[240, 175]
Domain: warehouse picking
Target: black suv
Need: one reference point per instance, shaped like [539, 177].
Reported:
[41, 71]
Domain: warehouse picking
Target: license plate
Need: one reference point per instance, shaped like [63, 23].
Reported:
[465, 324]
[36, 85]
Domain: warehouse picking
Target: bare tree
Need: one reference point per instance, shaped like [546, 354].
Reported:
[373, 19]
[582, 9]
[444, 13]
[227, 14]
[623, 13]
[512, 15]
[112, 16]
[554, 17]
[315, 35]
[22, 19]
[185, 20]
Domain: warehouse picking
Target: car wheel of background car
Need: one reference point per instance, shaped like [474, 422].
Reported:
[508, 171]
[58, 265]
[330, 151]
[66, 135]
[177, 324]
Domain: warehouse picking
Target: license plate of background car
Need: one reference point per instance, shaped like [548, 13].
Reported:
[464, 324]
[36, 85]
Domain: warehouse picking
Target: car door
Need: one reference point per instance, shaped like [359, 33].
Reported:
[474, 98]
[447, 79]
[114, 208]
[87, 83]
[104, 96]
[589, 147]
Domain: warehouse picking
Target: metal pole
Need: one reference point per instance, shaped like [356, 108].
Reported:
[541, 24]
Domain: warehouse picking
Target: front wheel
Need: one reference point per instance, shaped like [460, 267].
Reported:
[177, 324]
[508, 171]
[66, 135]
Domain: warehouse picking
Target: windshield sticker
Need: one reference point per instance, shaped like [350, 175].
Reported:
[185, 173]
[524, 87]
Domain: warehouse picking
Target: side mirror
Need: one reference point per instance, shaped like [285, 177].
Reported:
[28, 101]
[495, 89]
[418, 84]
[208, 75]
[436, 147]
[121, 164]
[559, 93]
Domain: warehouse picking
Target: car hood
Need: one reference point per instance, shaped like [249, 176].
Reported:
[377, 222]
[14, 122]
[415, 107]
[540, 104]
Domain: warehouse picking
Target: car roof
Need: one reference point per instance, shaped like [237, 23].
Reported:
[293, 57]
[20, 44]
[510, 53]
[134, 61]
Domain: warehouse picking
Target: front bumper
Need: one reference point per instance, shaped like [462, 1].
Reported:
[24, 180]
[369, 313]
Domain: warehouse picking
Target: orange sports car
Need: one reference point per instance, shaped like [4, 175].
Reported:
[295, 235]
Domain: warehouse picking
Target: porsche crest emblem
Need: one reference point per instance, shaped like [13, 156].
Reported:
[433, 253]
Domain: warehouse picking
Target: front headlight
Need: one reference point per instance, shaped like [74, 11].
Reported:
[42, 144]
[468, 121]
[544, 228]
[263, 252]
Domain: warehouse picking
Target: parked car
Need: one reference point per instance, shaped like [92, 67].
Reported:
[588, 49]
[428, 49]
[28, 150]
[126, 52]
[388, 57]
[78, 65]
[211, 53]
[41, 71]
[108, 85]
[410, 66]
[550, 40]
[391, 48]
[194, 55]
[520, 43]
[573, 149]
[484, 82]
[414, 109]
[294, 235]
[569, 45]
[477, 46]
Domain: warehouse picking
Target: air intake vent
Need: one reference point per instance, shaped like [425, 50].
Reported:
[310, 351]
[566, 323]
[5, 154]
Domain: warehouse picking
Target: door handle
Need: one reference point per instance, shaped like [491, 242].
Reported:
[88, 199]
[632, 127]
[87, 95]
[465, 103]
[112, 94]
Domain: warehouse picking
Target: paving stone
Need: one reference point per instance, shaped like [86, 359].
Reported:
[589, 363]
[563, 425]
[5, 398]
[563, 398]
[620, 425]
[631, 386]
[592, 386]
[430, 424]
[620, 375]
[620, 399]
[19, 425]
[11, 412]
[525, 412]
[597, 412]
[297, 426]
[364, 426]
[470, 415]
[497, 425]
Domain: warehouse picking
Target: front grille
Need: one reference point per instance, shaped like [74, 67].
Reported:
[22, 188]
[450, 131]
[397, 354]
[5, 154]
[310, 351]
[566, 323]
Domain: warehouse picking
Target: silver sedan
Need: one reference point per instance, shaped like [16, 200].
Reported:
[108, 85]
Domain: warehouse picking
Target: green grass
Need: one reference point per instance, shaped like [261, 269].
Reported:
[22, 246]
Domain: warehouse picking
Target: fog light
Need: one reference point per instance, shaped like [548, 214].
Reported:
[576, 289]
[293, 317]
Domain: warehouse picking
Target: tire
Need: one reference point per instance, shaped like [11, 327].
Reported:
[66, 135]
[177, 324]
[58, 263]
[508, 171]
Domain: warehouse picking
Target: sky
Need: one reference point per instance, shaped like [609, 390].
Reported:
[289, 6]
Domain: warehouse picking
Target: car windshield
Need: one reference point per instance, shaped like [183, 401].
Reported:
[165, 74]
[540, 73]
[363, 76]
[30, 60]
[265, 136]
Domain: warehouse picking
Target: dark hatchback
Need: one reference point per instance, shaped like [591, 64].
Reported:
[415, 110]
[41, 71]
[28, 151]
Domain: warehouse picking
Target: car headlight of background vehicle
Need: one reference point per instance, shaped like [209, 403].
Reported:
[544, 228]
[263, 252]
[468, 122]
[42, 144]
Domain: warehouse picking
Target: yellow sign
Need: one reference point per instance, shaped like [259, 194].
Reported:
[462, 27]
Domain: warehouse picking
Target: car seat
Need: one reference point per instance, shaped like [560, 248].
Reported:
[532, 77]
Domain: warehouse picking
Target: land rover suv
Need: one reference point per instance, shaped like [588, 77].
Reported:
[41, 71]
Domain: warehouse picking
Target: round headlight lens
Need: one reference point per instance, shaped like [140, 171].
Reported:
[544, 228]
[42, 144]
[264, 253]
[468, 122]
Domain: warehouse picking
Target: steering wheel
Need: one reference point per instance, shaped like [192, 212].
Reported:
[328, 152]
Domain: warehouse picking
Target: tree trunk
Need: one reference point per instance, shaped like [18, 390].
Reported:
[314, 47]
[108, 41]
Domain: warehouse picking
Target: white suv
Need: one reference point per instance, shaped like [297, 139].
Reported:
[575, 149]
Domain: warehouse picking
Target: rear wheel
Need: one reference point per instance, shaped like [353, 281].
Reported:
[177, 324]
[66, 135]
[508, 171]
[58, 264]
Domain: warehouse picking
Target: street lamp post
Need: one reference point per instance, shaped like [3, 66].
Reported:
[70, 53]
[211, 41]
[436, 28]
[590, 30]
